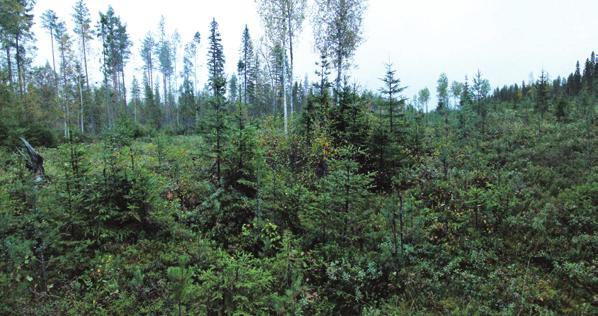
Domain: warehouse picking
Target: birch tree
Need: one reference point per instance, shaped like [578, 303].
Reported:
[283, 20]
[337, 28]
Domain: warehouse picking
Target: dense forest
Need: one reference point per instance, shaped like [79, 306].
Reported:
[260, 194]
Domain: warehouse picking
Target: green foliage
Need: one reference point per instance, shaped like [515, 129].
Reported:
[367, 205]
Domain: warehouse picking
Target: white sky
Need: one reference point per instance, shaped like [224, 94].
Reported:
[506, 39]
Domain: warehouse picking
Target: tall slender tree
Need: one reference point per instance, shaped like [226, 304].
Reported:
[148, 47]
[83, 29]
[67, 73]
[135, 98]
[50, 22]
[246, 68]
[16, 20]
[217, 83]
[164, 53]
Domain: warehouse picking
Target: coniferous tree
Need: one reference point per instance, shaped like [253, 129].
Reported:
[576, 83]
[148, 46]
[217, 84]
[16, 22]
[152, 110]
[323, 73]
[542, 94]
[480, 90]
[115, 54]
[66, 72]
[164, 54]
[561, 106]
[135, 98]
[234, 88]
[246, 68]
[82, 20]
[392, 89]
[588, 73]
[342, 210]
[194, 48]
[50, 22]
[188, 109]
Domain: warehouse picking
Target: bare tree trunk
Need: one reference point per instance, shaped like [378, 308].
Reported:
[135, 111]
[151, 74]
[122, 71]
[115, 95]
[20, 75]
[245, 75]
[53, 59]
[271, 75]
[218, 149]
[81, 124]
[64, 99]
[9, 65]
[284, 89]
[164, 80]
[85, 62]
[338, 78]
[290, 30]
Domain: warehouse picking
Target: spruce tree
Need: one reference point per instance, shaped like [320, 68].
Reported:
[392, 89]
[323, 72]
[217, 83]
[246, 68]
[480, 89]
[342, 208]
[542, 94]
[576, 80]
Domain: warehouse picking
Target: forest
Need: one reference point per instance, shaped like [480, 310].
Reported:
[258, 193]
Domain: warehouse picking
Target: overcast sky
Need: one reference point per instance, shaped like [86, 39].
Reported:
[506, 39]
